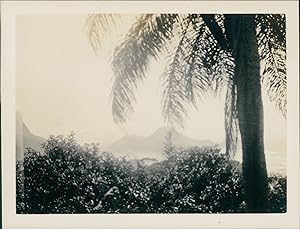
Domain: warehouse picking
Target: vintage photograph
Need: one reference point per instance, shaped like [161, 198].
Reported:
[151, 113]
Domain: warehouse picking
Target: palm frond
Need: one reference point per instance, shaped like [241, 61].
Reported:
[98, 26]
[195, 75]
[231, 119]
[216, 59]
[273, 27]
[213, 23]
[144, 41]
[176, 86]
[275, 78]
[198, 64]
[271, 32]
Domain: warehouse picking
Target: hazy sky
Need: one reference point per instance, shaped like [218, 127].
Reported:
[62, 86]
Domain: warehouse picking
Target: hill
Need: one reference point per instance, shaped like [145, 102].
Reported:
[26, 139]
[152, 145]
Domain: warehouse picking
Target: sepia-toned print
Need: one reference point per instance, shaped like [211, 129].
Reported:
[151, 113]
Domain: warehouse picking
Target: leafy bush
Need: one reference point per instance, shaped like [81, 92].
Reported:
[62, 179]
[70, 178]
[277, 195]
[199, 180]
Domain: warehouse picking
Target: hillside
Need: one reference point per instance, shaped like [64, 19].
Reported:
[152, 145]
[26, 139]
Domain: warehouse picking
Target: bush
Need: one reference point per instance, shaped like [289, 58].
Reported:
[70, 178]
[277, 194]
[62, 179]
[197, 180]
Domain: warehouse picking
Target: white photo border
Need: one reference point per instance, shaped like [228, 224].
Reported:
[9, 10]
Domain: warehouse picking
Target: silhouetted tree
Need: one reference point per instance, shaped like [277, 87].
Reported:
[206, 52]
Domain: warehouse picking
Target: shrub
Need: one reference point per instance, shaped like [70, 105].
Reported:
[62, 179]
[70, 178]
[277, 194]
[198, 180]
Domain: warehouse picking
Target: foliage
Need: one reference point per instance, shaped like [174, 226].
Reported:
[199, 49]
[271, 33]
[277, 195]
[70, 178]
[197, 180]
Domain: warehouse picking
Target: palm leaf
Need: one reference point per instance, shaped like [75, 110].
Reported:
[271, 32]
[144, 41]
[98, 26]
[231, 119]
[175, 94]
[196, 65]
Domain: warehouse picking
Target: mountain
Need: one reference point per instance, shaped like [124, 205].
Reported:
[26, 139]
[153, 145]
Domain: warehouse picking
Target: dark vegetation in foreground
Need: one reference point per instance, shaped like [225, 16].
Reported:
[70, 178]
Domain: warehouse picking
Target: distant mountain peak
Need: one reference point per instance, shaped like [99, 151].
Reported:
[164, 130]
[25, 138]
[152, 145]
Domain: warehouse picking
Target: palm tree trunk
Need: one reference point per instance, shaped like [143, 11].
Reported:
[250, 113]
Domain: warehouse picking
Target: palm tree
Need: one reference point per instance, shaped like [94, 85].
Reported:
[206, 52]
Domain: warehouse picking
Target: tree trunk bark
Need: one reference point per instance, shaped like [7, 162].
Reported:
[250, 113]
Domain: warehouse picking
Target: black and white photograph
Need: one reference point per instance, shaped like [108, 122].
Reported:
[159, 113]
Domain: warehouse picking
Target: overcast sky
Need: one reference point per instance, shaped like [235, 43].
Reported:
[62, 86]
